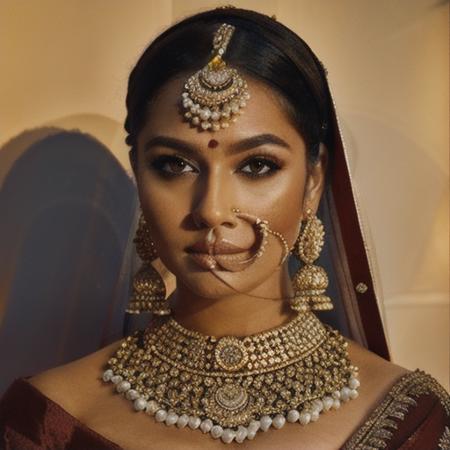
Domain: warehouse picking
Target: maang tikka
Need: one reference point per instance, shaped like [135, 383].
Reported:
[149, 291]
[311, 281]
[214, 96]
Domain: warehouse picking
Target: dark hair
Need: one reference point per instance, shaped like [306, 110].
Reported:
[261, 47]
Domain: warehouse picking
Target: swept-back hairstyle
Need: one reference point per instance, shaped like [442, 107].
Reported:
[260, 47]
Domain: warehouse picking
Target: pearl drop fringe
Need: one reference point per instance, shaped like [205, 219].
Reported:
[228, 435]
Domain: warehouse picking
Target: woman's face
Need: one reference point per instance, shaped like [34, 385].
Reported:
[189, 182]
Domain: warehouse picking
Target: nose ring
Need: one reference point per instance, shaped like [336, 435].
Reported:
[211, 237]
[264, 229]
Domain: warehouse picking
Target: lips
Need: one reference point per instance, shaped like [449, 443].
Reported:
[204, 260]
[219, 247]
[222, 252]
[231, 262]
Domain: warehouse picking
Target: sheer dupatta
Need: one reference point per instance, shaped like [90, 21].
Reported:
[346, 256]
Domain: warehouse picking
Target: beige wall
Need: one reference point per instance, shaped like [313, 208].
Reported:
[66, 64]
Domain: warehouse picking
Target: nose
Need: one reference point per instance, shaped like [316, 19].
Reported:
[213, 206]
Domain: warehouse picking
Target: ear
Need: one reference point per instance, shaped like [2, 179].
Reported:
[315, 182]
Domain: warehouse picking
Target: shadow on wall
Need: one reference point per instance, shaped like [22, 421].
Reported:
[67, 211]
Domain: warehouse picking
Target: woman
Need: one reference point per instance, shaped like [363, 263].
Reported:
[237, 152]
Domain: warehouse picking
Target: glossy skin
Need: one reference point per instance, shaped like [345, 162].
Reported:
[186, 188]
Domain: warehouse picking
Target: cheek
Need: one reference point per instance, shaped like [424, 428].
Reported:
[279, 202]
[167, 204]
[164, 208]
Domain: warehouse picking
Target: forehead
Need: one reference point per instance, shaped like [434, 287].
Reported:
[263, 114]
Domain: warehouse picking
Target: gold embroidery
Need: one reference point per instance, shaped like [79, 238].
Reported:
[378, 429]
[444, 441]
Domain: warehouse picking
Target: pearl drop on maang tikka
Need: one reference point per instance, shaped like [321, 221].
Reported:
[215, 95]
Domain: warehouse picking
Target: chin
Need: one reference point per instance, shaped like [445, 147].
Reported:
[205, 284]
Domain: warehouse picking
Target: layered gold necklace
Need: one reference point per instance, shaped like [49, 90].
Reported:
[233, 387]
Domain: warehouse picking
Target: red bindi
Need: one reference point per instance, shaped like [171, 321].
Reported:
[213, 143]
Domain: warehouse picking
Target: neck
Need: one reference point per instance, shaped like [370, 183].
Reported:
[240, 314]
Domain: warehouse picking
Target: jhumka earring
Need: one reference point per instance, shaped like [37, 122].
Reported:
[311, 281]
[214, 96]
[149, 291]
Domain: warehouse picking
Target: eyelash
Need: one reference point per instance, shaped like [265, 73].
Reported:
[267, 159]
[159, 162]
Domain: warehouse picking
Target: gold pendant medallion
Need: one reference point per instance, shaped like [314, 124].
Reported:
[231, 387]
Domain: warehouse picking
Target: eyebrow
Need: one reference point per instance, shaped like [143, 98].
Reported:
[257, 141]
[243, 145]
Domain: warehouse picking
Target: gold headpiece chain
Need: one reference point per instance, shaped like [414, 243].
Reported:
[214, 96]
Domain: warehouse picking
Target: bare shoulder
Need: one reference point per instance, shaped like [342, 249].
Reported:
[377, 375]
[371, 364]
[65, 383]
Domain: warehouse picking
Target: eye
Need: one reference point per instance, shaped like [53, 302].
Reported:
[171, 165]
[259, 167]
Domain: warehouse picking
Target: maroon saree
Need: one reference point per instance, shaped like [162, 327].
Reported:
[414, 415]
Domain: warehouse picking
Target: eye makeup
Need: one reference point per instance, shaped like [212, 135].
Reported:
[260, 164]
[171, 166]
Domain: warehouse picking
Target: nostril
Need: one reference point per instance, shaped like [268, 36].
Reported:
[202, 220]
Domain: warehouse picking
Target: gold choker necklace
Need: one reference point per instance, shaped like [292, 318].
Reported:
[233, 387]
